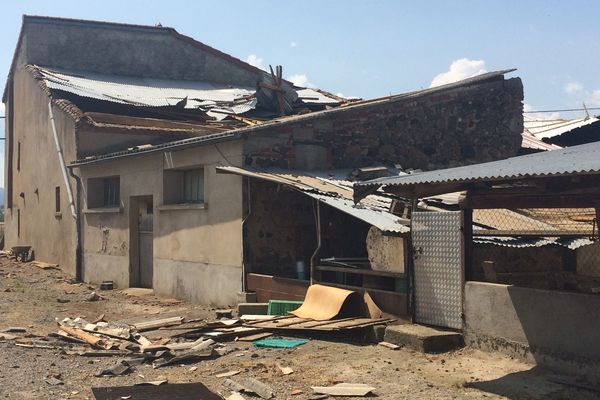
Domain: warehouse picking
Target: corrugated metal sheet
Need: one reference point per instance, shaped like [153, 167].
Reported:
[139, 91]
[334, 192]
[582, 159]
[311, 96]
[547, 128]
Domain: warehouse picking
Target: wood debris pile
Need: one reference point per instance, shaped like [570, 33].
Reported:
[166, 346]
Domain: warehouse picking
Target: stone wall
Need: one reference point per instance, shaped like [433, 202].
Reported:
[460, 125]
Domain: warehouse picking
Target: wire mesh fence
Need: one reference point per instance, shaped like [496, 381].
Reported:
[548, 248]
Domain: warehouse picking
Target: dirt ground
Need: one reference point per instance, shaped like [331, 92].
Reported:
[32, 298]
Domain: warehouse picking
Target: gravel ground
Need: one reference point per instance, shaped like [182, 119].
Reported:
[32, 298]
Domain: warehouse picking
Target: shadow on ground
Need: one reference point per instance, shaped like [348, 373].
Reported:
[537, 383]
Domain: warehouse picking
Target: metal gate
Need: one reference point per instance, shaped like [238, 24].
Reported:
[438, 268]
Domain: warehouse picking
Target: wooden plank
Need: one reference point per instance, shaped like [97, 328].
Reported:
[257, 336]
[277, 324]
[313, 324]
[157, 323]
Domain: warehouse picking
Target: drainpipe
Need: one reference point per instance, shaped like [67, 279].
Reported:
[244, 280]
[74, 213]
[78, 247]
[313, 258]
[61, 159]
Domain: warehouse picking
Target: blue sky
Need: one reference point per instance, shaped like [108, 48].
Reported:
[374, 48]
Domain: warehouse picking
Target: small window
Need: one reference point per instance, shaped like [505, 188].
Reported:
[18, 156]
[193, 186]
[18, 223]
[184, 186]
[57, 199]
[103, 192]
[111, 192]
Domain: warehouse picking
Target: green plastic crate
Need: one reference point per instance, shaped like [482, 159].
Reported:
[282, 307]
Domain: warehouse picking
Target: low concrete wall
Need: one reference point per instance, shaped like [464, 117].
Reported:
[555, 329]
[217, 285]
[105, 267]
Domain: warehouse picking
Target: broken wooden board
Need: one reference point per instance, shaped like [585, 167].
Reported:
[344, 389]
[179, 391]
[227, 374]
[87, 337]
[295, 323]
[257, 336]
[389, 345]
[157, 323]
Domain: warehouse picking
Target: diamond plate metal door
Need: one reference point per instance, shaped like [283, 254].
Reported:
[438, 268]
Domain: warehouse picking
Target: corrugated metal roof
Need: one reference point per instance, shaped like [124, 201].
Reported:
[547, 128]
[582, 159]
[219, 100]
[152, 92]
[334, 192]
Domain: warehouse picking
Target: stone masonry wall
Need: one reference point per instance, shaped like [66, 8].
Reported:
[462, 125]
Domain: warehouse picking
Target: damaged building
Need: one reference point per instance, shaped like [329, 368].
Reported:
[161, 162]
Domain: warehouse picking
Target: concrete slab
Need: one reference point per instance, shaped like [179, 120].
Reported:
[423, 338]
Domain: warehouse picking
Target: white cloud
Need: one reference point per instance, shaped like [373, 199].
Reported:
[593, 99]
[293, 44]
[573, 87]
[459, 69]
[255, 61]
[299, 80]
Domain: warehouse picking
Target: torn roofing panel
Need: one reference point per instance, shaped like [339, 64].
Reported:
[549, 128]
[218, 100]
[336, 193]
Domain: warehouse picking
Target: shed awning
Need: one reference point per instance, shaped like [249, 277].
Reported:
[577, 160]
[337, 193]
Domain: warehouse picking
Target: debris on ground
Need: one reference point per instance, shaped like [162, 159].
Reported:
[93, 297]
[227, 374]
[344, 389]
[281, 343]
[286, 370]
[249, 385]
[389, 345]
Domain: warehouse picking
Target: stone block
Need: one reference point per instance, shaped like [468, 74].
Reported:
[423, 338]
